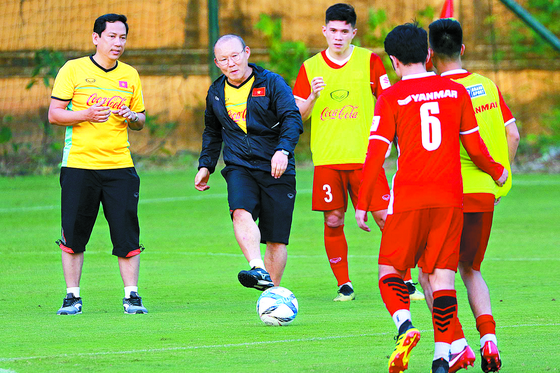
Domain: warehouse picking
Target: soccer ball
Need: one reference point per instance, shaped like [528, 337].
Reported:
[277, 306]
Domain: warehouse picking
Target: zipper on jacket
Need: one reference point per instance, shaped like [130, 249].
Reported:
[247, 121]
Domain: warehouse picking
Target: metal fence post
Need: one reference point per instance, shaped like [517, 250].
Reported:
[213, 35]
[532, 22]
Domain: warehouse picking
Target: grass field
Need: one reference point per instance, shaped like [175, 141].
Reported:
[202, 320]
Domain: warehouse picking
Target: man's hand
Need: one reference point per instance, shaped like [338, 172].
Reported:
[201, 179]
[278, 164]
[125, 112]
[317, 85]
[361, 219]
[502, 180]
[98, 114]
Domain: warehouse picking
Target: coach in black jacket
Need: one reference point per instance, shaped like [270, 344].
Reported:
[253, 113]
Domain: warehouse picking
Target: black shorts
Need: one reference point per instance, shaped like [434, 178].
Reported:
[83, 190]
[269, 200]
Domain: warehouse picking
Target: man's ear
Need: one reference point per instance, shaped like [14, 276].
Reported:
[394, 62]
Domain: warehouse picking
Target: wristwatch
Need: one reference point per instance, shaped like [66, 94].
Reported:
[285, 152]
[135, 117]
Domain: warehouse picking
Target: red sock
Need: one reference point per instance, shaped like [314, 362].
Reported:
[394, 293]
[458, 330]
[444, 315]
[337, 252]
[407, 276]
[485, 324]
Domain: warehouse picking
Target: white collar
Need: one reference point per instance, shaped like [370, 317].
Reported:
[339, 63]
[419, 75]
[453, 72]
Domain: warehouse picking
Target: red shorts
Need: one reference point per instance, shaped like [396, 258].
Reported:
[331, 189]
[474, 238]
[427, 237]
[478, 202]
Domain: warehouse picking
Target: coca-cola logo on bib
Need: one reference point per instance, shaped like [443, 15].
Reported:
[346, 112]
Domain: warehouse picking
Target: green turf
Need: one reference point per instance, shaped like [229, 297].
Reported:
[202, 320]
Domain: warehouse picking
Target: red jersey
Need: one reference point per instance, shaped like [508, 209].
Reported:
[424, 114]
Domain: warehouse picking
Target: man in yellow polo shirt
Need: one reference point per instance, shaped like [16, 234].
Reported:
[498, 130]
[97, 98]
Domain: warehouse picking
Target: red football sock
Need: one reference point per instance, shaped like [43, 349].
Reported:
[485, 324]
[444, 315]
[337, 252]
[458, 334]
[394, 293]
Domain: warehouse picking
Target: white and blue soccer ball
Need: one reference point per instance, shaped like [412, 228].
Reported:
[277, 306]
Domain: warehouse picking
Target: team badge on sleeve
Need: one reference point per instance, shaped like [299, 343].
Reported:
[375, 123]
[384, 81]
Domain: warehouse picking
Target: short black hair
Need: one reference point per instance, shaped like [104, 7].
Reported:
[341, 12]
[101, 22]
[446, 37]
[408, 42]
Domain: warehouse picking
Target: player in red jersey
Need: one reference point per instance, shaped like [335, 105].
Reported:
[479, 192]
[425, 115]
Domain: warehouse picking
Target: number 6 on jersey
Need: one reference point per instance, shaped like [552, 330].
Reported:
[430, 126]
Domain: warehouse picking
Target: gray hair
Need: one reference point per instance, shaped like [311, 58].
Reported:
[228, 37]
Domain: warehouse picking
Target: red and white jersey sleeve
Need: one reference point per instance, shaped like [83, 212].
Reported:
[381, 135]
[506, 112]
[302, 89]
[378, 76]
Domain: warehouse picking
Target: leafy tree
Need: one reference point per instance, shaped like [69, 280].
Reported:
[526, 42]
[46, 65]
[285, 57]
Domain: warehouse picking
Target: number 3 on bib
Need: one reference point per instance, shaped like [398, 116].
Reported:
[430, 126]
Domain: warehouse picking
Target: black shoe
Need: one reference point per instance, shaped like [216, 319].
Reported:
[440, 366]
[133, 305]
[70, 305]
[256, 278]
[413, 293]
[345, 293]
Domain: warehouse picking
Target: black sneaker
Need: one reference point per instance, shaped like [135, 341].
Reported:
[256, 278]
[133, 305]
[440, 366]
[70, 305]
[345, 293]
[413, 292]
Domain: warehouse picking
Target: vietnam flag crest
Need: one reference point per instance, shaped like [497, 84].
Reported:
[259, 92]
